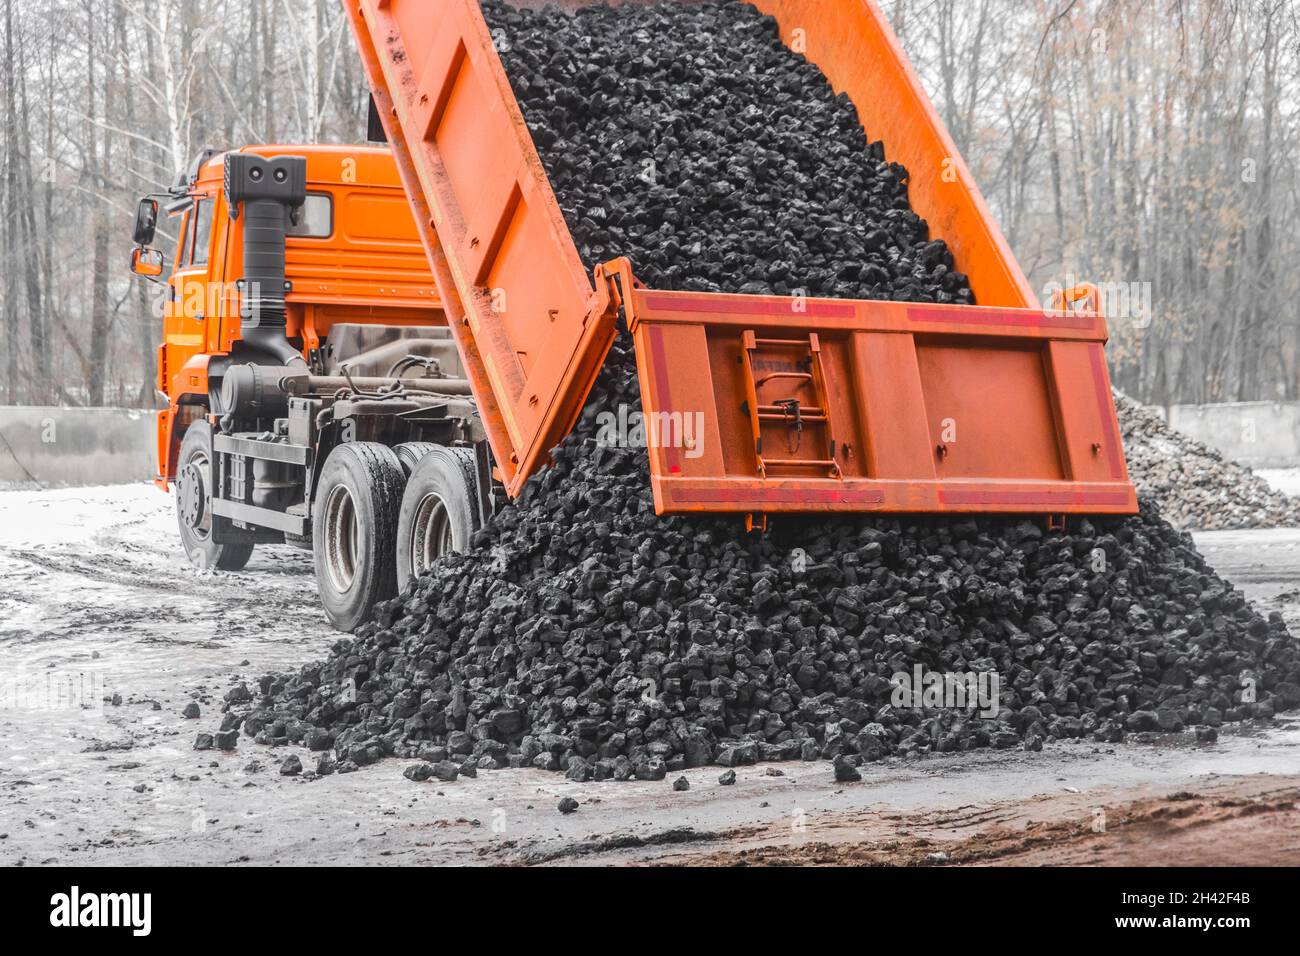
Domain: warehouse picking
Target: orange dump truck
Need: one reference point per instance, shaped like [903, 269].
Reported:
[381, 474]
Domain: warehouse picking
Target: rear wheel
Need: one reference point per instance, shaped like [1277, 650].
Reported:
[354, 526]
[409, 453]
[439, 510]
[194, 505]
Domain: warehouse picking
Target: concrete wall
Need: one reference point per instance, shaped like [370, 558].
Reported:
[105, 446]
[1258, 434]
[60, 447]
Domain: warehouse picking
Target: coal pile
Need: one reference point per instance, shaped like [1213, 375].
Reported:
[693, 141]
[1196, 486]
[585, 634]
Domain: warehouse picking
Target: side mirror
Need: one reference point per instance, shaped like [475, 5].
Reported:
[146, 262]
[146, 222]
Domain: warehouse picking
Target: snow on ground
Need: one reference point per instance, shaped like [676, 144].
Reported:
[1285, 480]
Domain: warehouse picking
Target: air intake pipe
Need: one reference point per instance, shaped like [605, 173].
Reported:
[266, 191]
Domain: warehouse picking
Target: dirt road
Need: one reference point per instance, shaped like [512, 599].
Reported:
[97, 601]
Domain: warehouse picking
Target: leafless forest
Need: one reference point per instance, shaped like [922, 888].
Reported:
[1150, 145]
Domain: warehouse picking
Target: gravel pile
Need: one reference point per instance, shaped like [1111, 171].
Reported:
[583, 633]
[1197, 487]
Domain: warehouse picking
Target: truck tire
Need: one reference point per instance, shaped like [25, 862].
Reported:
[439, 510]
[194, 505]
[354, 527]
[409, 454]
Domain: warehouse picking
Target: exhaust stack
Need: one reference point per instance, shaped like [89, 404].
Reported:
[266, 190]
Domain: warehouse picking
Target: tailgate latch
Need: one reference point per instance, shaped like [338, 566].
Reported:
[794, 421]
[797, 364]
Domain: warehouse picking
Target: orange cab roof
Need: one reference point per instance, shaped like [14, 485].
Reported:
[326, 164]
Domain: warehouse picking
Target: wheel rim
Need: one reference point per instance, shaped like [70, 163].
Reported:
[342, 538]
[193, 497]
[430, 533]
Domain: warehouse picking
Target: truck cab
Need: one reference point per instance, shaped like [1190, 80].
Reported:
[301, 317]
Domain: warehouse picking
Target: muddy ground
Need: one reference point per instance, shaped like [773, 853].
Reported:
[97, 601]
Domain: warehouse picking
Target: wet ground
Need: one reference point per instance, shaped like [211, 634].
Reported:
[97, 601]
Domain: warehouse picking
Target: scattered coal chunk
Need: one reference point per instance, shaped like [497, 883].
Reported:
[681, 783]
[568, 805]
[292, 766]
[446, 771]
[845, 770]
[190, 711]
[418, 772]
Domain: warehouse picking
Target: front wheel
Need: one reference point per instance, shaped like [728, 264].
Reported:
[194, 505]
[354, 528]
[439, 510]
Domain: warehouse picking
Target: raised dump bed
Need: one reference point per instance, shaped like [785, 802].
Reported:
[806, 404]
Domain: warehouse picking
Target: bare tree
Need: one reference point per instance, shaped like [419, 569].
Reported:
[1138, 144]
[1141, 146]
